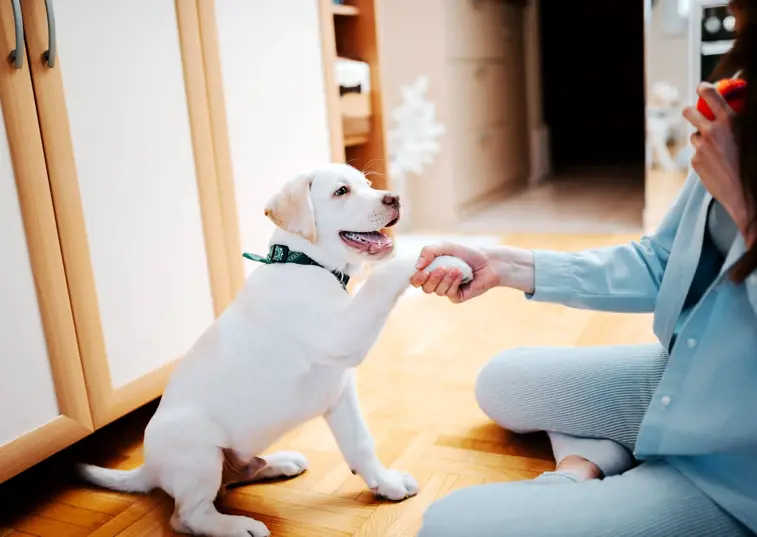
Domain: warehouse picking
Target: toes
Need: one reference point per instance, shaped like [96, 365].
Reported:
[299, 462]
[258, 529]
[292, 469]
[397, 487]
[291, 463]
[411, 485]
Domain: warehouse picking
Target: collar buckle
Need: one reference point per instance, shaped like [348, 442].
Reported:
[279, 253]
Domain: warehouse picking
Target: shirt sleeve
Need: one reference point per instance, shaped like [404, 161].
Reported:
[623, 278]
[751, 289]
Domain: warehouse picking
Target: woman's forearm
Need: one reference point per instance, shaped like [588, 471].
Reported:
[514, 266]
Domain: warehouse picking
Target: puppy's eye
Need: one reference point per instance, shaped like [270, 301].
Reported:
[343, 191]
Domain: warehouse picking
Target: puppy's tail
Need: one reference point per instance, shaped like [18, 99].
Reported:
[136, 480]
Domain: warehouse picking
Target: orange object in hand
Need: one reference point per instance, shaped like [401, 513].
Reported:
[733, 91]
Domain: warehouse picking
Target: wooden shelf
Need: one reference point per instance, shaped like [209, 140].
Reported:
[345, 10]
[351, 141]
[349, 31]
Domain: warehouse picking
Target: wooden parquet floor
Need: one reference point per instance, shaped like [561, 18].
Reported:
[417, 392]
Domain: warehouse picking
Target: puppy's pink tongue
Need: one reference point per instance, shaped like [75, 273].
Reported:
[376, 242]
[380, 244]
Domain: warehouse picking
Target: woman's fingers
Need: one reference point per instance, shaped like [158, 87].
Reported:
[427, 255]
[447, 282]
[696, 139]
[419, 278]
[695, 117]
[453, 293]
[717, 103]
[434, 280]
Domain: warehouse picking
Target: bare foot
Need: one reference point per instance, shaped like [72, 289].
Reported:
[580, 467]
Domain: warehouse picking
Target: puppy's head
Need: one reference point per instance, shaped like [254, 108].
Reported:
[335, 208]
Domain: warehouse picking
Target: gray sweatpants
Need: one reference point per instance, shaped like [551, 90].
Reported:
[589, 392]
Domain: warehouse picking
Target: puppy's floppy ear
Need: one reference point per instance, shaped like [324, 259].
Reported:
[292, 209]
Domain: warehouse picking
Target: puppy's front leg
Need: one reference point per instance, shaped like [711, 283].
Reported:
[363, 319]
[356, 444]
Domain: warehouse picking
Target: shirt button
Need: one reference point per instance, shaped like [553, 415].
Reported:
[691, 343]
[665, 400]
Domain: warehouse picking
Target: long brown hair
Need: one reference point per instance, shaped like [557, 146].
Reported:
[743, 57]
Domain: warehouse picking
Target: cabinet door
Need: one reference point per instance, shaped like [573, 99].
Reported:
[133, 184]
[43, 401]
[273, 80]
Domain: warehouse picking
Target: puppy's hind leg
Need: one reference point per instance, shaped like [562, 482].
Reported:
[283, 464]
[193, 477]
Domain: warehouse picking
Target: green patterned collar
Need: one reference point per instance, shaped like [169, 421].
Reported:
[282, 254]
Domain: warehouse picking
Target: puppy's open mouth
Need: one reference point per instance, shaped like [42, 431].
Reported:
[368, 242]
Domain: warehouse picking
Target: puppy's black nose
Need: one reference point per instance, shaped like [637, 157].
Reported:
[392, 200]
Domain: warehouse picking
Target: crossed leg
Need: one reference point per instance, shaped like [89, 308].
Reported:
[592, 401]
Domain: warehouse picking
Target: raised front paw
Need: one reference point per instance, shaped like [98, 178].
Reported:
[395, 485]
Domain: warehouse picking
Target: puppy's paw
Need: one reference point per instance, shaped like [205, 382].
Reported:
[243, 526]
[250, 527]
[451, 262]
[283, 464]
[395, 485]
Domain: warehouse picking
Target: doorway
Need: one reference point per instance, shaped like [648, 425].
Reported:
[593, 84]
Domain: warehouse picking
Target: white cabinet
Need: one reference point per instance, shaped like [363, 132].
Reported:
[135, 235]
[43, 399]
[112, 227]
[275, 102]
[25, 372]
[132, 144]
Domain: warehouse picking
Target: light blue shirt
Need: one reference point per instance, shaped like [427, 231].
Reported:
[703, 417]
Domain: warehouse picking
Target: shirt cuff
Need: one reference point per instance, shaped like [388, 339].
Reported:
[554, 277]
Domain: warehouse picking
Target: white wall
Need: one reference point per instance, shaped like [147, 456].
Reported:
[667, 54]
[272, 64]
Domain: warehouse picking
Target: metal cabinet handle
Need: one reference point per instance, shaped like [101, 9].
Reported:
[49, 54]
[17, 54]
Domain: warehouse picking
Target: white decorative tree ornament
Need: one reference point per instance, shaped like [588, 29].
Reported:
[413, 142]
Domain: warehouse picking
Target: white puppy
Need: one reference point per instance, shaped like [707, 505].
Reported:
[281, 354]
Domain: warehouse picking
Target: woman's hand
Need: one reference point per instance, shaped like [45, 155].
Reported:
[445, 282]
[716, 154]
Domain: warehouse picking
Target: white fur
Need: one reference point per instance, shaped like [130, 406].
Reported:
[451, 262]
[281, 354]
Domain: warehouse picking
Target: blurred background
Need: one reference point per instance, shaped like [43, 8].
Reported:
[531, 116]
[542, 116]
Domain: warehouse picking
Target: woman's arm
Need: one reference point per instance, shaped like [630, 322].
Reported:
[622, 278]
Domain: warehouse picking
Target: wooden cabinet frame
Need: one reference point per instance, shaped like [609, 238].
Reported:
[211, 54]
[106, 402]
[28, 159]
[350, 30]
